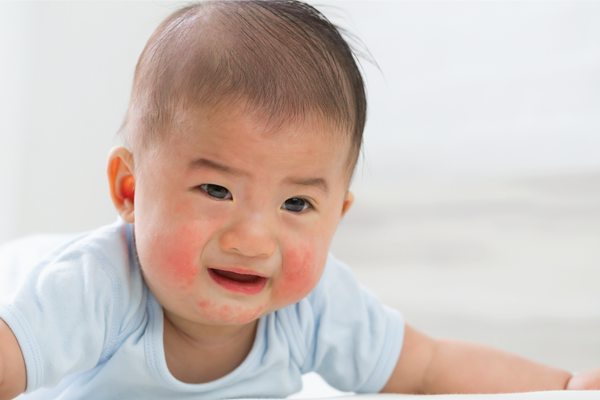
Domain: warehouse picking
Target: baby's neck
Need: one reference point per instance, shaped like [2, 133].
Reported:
[198, 353]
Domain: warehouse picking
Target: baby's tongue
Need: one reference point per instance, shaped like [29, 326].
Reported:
[235, 276]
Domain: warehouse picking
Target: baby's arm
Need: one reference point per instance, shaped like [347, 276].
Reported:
[13, 377]
[452, 366]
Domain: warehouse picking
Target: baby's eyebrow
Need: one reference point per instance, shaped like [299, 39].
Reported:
[317, 182]
[203, 162]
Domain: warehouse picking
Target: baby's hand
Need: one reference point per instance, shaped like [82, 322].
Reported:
[589, 380]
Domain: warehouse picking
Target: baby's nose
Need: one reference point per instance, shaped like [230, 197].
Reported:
[251, 237]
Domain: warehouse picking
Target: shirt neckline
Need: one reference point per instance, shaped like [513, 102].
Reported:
[155, 353]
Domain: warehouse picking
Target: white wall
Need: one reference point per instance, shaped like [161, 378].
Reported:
[15, 37]
[466, 88]
[66, 73]
[481, 88]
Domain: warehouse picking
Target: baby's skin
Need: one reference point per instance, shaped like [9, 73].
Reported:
[233, 220]
[224, 197]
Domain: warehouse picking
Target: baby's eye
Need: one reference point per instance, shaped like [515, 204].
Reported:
[296, 204]
[216, 191]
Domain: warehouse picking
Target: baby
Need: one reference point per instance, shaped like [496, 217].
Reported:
[243, 130]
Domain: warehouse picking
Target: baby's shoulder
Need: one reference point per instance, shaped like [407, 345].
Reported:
[103, 260]
[108, 248]
[19, 257]
[336, 284]
[342, 331]
[80, 299]
[337, 293]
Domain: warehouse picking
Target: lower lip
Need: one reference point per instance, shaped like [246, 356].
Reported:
[249, 288]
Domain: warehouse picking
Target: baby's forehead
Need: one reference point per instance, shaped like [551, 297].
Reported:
[233, 121]
[284, 58]
[237, 131]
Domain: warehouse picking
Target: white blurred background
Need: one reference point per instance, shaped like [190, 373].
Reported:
[478, 199]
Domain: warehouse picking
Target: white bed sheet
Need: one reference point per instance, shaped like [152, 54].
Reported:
[314, 387]
[558, 395]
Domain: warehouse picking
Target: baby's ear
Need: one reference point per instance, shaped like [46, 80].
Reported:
[122, 182]
[348, 201]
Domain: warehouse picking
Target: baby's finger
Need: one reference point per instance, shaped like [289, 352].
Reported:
[589, 380]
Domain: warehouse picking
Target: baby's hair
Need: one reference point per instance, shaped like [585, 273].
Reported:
[283, 59]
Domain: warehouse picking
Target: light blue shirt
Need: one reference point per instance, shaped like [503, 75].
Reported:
[90, 328]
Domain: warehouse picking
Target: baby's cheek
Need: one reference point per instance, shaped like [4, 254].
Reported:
[180, 260]
[299, 276]
[181, 269]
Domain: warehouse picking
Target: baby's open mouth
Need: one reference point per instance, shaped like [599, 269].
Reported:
[236, 282]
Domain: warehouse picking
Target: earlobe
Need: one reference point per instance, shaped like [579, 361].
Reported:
[122, 182]
[348, 201]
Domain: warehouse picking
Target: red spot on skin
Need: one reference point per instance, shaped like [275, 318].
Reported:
[299, 276]
[203, 304]
[229, 314]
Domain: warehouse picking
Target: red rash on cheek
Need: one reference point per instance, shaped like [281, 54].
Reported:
[180, 258]
[299, 275]
[182, 270]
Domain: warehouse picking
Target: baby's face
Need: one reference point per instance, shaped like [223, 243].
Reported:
[232, 222]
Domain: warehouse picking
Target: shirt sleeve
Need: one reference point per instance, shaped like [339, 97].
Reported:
[63, 315]
[18, 257]
[356, 340]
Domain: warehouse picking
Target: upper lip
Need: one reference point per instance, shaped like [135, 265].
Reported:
[240, 270]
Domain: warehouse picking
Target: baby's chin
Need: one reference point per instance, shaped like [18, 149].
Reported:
[230, 313]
